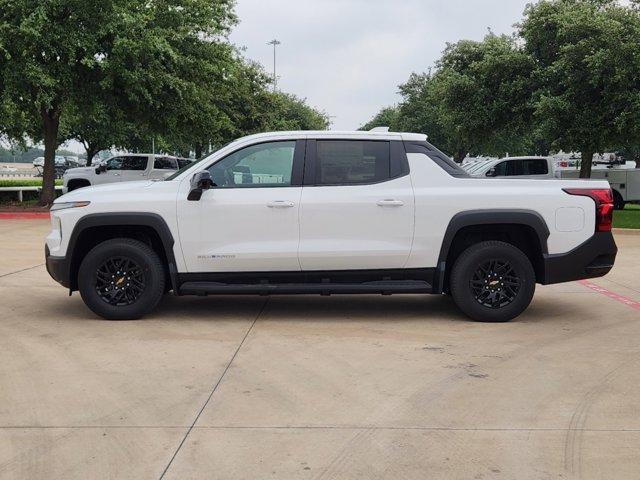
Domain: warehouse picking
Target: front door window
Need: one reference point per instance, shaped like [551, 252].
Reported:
[262, 165]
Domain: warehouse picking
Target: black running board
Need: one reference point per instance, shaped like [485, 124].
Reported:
[382, 288]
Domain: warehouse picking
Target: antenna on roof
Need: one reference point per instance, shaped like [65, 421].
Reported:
[380, 129]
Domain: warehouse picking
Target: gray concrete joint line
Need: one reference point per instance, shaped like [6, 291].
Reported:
[323, 427]
[215, 387]
[23, 270]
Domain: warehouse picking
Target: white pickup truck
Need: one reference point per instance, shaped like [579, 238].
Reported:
[123, 168]
[624, 182]
[329, 213]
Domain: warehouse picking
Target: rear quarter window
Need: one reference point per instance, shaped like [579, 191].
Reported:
[442, 160]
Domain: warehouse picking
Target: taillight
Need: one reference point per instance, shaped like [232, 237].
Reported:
[604, 205]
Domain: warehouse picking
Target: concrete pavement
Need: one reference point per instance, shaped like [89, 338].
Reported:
[316, 387]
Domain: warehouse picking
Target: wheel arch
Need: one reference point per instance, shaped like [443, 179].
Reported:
[74, 183]
[526, 229]
[93, 229]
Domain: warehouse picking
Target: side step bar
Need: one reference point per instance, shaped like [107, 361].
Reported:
[382, 287]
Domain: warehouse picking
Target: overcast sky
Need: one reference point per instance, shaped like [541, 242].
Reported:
[348, 57]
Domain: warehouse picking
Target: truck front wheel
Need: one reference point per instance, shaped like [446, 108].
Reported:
[492, 282]
[121, 279]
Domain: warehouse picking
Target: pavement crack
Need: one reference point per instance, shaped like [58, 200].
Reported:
[215, 387]
[23, 270]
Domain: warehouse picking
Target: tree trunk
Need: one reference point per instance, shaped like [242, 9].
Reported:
[51, 123]
[91, 152]
[198, 149]
[586, 162]
[460, 155]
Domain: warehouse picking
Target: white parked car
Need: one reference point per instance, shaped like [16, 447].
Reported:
[516, 167]
[123, 168]
[624, 180]
[329, 213]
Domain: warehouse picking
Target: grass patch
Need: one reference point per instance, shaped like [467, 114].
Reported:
[24, 182]
[627, 218]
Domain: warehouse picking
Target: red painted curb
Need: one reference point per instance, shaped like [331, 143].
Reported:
[24, 215]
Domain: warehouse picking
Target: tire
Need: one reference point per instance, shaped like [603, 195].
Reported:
[618, 201]
[490, 300]
[138, 294]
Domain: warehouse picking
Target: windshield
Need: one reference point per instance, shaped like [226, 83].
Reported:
[485, 166]
[182, 169]
[478, 166]
[186, 167]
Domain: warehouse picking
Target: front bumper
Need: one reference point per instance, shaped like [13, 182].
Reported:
[594, 258]
[58, 268]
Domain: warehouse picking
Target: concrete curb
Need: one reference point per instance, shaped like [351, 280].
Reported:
[626, 231]
[24, 215]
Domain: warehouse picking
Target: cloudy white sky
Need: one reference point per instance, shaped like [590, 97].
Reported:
[348, 57]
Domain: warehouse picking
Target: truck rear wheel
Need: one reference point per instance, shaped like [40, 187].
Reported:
[618, 201]
[492, 282]
[121, 279]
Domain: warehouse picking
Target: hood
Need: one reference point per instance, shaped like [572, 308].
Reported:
[107, 189]
[79, 170]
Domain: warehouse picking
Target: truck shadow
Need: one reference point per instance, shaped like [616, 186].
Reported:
[312, 308]
[336, 308]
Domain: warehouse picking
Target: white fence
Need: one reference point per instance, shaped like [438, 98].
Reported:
[20, 190]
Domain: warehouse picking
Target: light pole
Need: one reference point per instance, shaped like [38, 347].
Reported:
[275, 43]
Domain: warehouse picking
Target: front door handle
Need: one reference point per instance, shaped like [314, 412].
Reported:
[116, 174]
[390, 203]
[280, 204]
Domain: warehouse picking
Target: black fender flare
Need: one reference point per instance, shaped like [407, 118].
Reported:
[144, 219]
[470, 218]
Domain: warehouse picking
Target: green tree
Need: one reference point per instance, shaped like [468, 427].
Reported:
[50, 49]
[387, 117]
[420, 112]
[288, 112]
[588, 74]
[477, 101]
[483, 92]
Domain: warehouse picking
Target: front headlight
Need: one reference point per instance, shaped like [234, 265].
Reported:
[65, 205]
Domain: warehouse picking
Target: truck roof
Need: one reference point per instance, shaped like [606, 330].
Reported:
[355, 134]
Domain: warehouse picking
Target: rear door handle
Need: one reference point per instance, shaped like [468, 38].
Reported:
[280, 204]
[390, 203]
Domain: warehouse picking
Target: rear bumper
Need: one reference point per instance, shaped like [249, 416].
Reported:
[594, 258]
[58, 268]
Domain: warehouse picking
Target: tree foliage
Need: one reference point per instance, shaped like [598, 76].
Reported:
[588, 74]
[387, 117]
[569, 80]
[126, 73]
[476, 101]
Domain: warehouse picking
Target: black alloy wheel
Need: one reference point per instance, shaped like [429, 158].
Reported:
[120, 281]
[495, 284]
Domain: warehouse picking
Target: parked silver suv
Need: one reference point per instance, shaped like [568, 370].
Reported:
[123, 168]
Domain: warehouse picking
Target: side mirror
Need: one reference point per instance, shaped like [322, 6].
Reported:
[101, 168]
[492, 173]
[200, 182]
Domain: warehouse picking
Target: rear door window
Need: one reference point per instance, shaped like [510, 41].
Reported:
[134, 163]
[352, 162]
[535, 166]
[165, 163]
[510, 168]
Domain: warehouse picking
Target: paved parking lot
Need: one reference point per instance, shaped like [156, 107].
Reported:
[316, 387]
